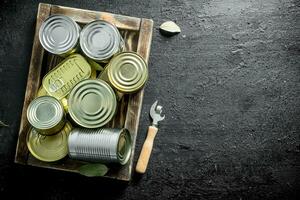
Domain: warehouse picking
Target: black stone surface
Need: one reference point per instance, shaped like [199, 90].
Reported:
[230, 87]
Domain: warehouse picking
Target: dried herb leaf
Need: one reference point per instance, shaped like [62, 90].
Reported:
[3, 124]
[91, 170]
[169, 28]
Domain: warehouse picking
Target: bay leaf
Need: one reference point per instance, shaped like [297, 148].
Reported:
[169, 28]
[92, 170]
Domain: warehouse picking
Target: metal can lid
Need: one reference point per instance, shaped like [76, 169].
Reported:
[92, 103]
[124, 147]
[99, 40]
[59, 34]
[49, 148]
[127, 72]
[45, 112]
[43, 92]
[59, 81]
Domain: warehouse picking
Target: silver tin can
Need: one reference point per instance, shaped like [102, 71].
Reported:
[104, 145]
[46, 115]
[59, 35]
[100, 40]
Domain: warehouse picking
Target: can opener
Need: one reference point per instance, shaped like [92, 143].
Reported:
[155, 113]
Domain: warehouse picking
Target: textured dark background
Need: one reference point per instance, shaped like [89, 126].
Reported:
[229, 84]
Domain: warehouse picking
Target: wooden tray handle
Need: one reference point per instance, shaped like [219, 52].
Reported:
[146, 150]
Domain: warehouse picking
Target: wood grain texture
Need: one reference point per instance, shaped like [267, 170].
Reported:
[137, 34]
[136, 100]
[33, 82]
[144, 157]
[86, 16]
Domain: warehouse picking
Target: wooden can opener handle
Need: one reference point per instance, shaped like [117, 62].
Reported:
[146, 150]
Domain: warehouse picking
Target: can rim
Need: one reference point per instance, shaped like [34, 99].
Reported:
[65, 131]
[128, 150]
[113, 107]
[117, 84]
[51, 123]
[86, 29]
[76, 34]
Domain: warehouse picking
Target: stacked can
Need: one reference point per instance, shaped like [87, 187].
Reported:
[46, 115]
[100, 145]
[49, 148]
[47, 140]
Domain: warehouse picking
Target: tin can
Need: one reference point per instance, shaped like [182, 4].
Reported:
[59, 35]
[59, 81]
[127, 72]
[46, 115]
[92, 103]
[49, 148]
[104, 145]
[43, 92]
[100, 40]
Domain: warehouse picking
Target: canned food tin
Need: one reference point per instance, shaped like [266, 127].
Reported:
[100, 145]
[59, 35]
[92, 103]
[59, 81]
[100, 40]
[127, 72]
[46, 115]
[49, 148]
[43, 92]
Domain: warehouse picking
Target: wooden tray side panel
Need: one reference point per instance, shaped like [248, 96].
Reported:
[33, 82]
[86, 16]
[136, 100]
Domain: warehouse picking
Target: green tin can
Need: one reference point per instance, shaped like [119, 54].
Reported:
[92, 103]
[46, 115]
[127, 72]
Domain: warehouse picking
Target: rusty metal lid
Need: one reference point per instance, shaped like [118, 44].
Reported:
[92, 103]
[59, 34]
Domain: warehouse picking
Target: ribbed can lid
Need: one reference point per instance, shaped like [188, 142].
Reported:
[127, 72]
[59, 34]
[99, 40]
[49, 148]
[92, 103]
[45, 112]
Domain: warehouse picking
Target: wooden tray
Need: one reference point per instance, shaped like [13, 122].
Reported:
[137, 33]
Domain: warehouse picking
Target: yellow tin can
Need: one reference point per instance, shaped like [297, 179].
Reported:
[59, 81]
[49, 148]
[127, 72]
